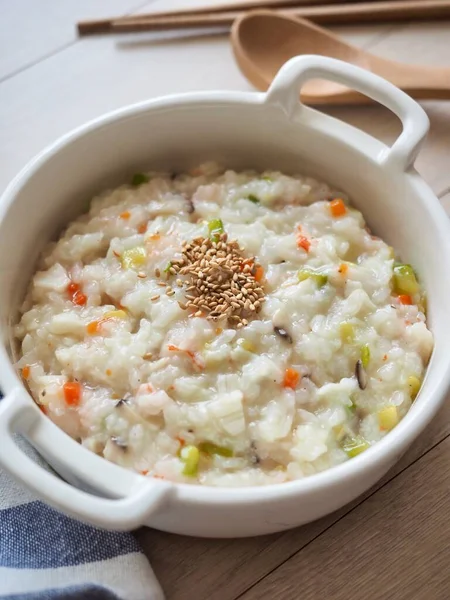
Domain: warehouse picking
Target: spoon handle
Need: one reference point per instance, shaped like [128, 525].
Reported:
[420, 82]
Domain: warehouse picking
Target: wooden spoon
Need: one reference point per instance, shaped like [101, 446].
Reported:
[264, 40]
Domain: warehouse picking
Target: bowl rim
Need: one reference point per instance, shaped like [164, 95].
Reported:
[385, 451]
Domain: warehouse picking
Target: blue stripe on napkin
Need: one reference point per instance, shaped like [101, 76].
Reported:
[79, 592]
[27, 541]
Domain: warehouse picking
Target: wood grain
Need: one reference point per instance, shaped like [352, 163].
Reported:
[395, 545]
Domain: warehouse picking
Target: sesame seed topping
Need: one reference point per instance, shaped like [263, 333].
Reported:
[219, 280]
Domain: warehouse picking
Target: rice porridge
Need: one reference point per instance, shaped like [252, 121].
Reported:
[222, 328]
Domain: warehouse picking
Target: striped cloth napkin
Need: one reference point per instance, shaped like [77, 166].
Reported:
[45, 555]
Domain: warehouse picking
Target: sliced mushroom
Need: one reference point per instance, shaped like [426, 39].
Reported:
[254, 457]
[361, 375]
[190, 206]
[283, 334]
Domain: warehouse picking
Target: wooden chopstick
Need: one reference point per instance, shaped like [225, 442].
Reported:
[101, 25]
[374, 11]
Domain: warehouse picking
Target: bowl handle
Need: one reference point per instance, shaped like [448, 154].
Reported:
[289, 80]
[17, 415]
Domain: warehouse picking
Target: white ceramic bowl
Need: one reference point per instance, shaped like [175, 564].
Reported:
[272, 130]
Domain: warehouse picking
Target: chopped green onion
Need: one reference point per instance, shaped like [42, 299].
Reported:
[365, 355]
[353, 446]
[307, 273]
[267, 178]
[404, 280]
[190, 455]
[138, 179]
[246, 345]
[169, 266]
[351, 409]
[210, 448]
[388, 418]
[347, 333]
[414, 384]
[339, 432]
[215, 228]
[253, 199]
[134, 257]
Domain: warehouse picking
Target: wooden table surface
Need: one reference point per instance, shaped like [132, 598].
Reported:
[395, 541]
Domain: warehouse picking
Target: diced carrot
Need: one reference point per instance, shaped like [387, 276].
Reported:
[125, 215]
[303, 242]
[72, 393]
[404, 299]
[108, 372]
[291, 378]
[337, 207]
[343, 269]
[93, 327]
[259, 273]
[74, 290]
[144, 472]
[79, 299]
[26, 372]
[173, 348]
[219, 330]
[154, 237]
[142, 228]
[384, 358]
